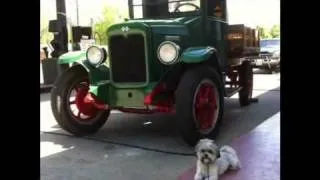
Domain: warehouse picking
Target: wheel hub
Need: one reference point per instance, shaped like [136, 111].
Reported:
[206, 107]
[83, 102]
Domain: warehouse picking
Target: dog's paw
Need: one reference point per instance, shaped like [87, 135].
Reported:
[236, 165]
[213, 178]
[197, 177]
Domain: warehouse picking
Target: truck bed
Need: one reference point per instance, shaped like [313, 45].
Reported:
[242, 41]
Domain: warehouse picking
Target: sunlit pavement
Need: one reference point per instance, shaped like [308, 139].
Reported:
[258, 151]
[64, 157]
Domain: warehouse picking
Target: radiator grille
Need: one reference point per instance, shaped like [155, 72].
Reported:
[127, 54]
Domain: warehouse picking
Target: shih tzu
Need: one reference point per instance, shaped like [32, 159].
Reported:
[212, 161]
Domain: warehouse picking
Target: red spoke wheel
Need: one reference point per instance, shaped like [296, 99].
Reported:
[75, 112]
[80, 108]
[206, 102]
[199, 104]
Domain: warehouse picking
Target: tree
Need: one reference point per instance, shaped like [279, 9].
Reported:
[110, 15]
[264, 32]
[275, 31]
[45, 35]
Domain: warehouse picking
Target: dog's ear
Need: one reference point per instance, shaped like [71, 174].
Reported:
[215, 147]
[196, 148]
[212, 142]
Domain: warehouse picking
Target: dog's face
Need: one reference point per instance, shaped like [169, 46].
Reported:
[207, 151]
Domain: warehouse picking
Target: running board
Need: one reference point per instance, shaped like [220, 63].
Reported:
[232, 91]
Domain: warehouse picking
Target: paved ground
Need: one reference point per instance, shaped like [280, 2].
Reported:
[67, 158]
[258, 151]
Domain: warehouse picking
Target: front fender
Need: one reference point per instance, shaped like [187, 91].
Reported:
[197, 54]
[98, 76]
[72, 57]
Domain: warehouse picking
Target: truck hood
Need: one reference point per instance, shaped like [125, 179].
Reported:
[172, 21]
[170, 26]
[161, 26]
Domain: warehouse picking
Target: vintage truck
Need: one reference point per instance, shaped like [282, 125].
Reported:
[177, 56]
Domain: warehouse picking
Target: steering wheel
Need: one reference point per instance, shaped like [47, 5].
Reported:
[186, 4]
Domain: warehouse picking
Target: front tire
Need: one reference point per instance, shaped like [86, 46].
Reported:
[199, 104]
[55, 90]
[87, 119]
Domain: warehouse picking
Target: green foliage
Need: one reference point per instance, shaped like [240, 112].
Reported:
[266, 33]
[110, 15]
[45, 35]
[275, 31]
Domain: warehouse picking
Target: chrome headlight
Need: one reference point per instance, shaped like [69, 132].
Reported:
[168, 52]
[96, 55]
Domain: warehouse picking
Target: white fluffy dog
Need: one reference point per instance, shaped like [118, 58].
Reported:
[212, 161]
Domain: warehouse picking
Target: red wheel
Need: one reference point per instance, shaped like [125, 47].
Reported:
[79, 107]
[206, 106]
[199, 104]
[75, 113]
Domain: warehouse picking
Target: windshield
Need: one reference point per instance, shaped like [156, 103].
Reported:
[270, 43]
[162, 8]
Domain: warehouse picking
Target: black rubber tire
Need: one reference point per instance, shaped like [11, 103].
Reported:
[61, 112]
[246, 82]
[54, 97]
[184, 103]
[55, 91]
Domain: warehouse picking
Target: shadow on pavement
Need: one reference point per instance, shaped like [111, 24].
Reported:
[82, 159]
[158, 131]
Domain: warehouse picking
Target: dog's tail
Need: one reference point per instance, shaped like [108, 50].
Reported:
[232, 156]
[227, 149]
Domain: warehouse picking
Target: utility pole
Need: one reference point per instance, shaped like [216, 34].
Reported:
[77, 4]
[62, 37]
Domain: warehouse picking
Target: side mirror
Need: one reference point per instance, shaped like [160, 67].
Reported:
[55, 26]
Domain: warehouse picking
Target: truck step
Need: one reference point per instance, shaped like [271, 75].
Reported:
[232, 91]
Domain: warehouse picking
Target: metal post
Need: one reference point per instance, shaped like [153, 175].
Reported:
[62, 37]
[130, 6]
[77, 4]
[61, 11]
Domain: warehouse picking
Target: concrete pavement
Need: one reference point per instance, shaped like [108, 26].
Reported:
[64, 157]
[258, 151]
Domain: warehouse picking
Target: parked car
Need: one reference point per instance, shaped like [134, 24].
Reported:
[269, 58]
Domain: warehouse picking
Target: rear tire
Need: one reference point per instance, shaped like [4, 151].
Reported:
[60, 104]
[246, 82]
[189, 116]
